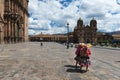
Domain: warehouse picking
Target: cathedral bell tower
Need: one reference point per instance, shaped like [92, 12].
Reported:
[93, 25]
[80, 30]
[80, 23]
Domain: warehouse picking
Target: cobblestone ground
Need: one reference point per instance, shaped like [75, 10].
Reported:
[52, 61]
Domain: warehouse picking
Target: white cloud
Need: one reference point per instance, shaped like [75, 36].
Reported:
[50, 16]
[31, 32]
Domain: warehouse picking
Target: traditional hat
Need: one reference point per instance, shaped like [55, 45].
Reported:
[83, 44]
[89, 45]
[80, 44]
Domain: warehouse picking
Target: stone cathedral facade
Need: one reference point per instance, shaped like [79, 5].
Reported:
[85, 34]
[13, 21]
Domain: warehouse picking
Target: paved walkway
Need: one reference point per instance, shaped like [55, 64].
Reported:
[52, 61]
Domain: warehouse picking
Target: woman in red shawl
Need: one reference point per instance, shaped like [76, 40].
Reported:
[77, 53]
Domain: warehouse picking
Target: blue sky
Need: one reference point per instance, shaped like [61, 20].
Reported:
[51, 16]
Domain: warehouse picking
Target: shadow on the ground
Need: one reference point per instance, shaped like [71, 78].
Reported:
[117, 61]
[72, 66]
[73, 69]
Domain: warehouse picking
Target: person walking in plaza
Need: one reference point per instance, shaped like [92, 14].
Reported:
[77, 53]
[41, 44]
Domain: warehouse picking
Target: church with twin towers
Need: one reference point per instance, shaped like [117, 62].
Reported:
[85, 33]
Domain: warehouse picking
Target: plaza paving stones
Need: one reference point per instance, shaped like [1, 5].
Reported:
[52, 61]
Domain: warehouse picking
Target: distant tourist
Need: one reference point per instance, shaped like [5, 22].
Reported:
[41, 44]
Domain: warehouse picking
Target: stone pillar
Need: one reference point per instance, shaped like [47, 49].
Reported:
[1, 21]
[1, 31]
[26, 22]
[7, 32]
[12, 36]
[2, 8]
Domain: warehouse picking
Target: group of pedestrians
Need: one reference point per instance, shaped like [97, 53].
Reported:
[83, 55]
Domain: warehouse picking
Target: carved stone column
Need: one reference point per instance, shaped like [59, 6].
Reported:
[1, 30]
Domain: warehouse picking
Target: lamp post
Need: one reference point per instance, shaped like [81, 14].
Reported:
[67, 35]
